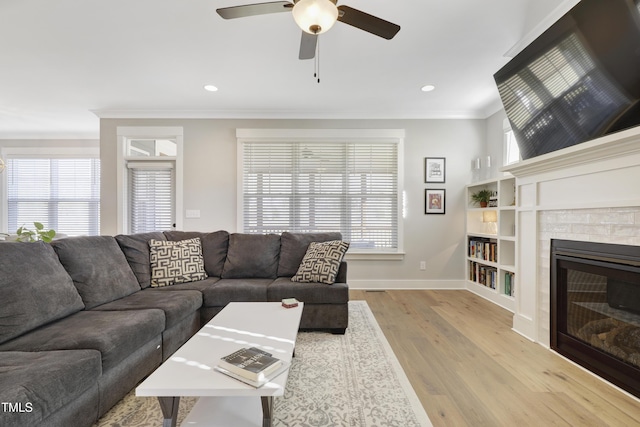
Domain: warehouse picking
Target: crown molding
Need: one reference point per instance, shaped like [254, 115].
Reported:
[286, 114]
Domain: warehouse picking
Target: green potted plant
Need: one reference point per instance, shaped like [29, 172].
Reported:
[481, 197]
[26, 235]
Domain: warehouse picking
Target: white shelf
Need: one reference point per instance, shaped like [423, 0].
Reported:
[502, 271]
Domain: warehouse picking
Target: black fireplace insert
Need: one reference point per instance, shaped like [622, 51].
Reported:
[595, 308]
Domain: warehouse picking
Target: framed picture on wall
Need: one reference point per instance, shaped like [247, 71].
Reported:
[434, 201]
[434, 169]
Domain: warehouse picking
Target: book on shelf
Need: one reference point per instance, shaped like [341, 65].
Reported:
[483, 275]
[251, 365]
[482, 248]
[508, 284]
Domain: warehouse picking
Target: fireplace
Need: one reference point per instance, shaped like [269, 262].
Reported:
[595, 308]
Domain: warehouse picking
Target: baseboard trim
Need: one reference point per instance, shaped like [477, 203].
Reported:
[392, 284]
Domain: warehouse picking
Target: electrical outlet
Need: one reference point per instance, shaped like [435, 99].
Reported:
[423, 265]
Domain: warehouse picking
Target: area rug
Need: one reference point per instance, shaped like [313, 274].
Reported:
[335, 380]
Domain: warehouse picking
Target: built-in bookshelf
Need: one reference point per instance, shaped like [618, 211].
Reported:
[491, 242]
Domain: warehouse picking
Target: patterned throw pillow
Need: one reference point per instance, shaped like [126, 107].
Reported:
[321, 262]
[176, 262]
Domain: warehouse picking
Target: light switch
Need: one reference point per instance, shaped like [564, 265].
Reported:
[193, 213]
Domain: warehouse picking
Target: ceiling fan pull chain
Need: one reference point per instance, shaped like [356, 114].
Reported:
[318, 59]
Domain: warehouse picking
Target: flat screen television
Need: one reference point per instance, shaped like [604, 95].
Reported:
[578, 81]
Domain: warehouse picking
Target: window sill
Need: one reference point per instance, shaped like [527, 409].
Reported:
[374, 256]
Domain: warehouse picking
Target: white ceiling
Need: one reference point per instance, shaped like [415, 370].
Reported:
[63, 63]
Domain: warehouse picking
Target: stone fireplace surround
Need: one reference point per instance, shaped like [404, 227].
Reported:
[588, 192]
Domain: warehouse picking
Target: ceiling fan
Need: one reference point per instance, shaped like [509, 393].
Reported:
[315, 17]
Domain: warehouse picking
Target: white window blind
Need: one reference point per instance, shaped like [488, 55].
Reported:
[351, 187]
[151, 196]
[61, 193]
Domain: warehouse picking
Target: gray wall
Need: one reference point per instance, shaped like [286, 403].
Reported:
[210, 186]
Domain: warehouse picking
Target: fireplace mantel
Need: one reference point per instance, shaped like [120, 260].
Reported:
[595, 185]
[617, 146]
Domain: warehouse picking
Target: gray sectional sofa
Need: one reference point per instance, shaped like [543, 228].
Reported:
[80, 324]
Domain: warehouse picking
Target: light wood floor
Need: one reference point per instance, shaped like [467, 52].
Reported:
[470, 369]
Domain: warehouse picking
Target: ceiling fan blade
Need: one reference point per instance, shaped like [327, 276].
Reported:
[308, 45]
[368, 23]
[254, 9]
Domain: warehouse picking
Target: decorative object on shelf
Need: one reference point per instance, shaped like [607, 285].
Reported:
[493, 200]
[490, 220]
[27, 235]
[486, 170]
[475, 169]
[481, 197]
[434, 169]
[434, 201]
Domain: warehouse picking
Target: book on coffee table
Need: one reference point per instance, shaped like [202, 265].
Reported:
[251, 365]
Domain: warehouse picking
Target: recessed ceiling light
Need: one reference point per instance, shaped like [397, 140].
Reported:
[427, 88]
[210, 88]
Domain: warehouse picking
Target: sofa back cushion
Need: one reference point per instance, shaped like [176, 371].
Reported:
[214, 248]
[294, 246]
[98, 268]
[136, 249]
[252, 256]
[34, 288]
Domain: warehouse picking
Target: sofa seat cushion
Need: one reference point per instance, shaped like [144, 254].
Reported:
[252, 256]
[98, 268]
[214, 248]
[34, 288]
[136, 249]
[115, 334]
[176, 306]
[46, 381]
[309, 293]
[294, 246]
[232, 290]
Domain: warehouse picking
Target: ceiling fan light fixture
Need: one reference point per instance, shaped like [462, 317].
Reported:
[315, 16]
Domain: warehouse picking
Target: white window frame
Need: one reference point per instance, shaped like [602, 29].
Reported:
[334, 136]
[126, 133]
[36, 152]
[506, 128]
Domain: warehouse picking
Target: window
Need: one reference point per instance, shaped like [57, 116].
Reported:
[511, 149]
[313, 181]
[150, 161]
[151, 196]
[60, 190]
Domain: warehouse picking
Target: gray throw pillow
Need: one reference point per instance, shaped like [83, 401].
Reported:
[176, 262]
[321, 262]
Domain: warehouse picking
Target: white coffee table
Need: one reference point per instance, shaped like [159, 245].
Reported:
[189, 371]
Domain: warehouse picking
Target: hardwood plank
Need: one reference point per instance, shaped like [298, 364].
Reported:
[470, 369]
